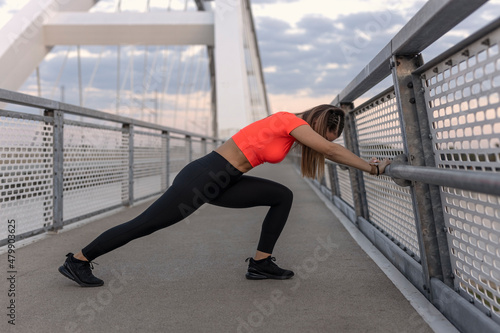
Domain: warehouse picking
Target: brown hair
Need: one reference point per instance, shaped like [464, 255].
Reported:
[321, 118]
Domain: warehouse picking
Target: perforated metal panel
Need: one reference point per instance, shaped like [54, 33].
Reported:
[178, 155]
[463, 100]
[390, 206]
[198, 147]
[344, 179]
[148, 160]
[95, 169]
[26, 170]
[326, 179]
[345, 186]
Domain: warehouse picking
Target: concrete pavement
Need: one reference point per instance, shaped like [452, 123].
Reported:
[190, 277]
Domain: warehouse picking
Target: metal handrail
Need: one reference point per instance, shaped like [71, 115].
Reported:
[478, 35]
[476, 181]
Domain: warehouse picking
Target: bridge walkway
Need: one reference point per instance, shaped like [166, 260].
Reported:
[190, 277]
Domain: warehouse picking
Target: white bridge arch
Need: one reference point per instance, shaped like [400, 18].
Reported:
[225, 27]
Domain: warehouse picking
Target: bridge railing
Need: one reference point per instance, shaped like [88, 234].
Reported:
[72, 163]
[436, 212]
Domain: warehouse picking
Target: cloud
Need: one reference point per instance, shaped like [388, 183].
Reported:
[138, 91]
[311, 56]
[482, 17]
[321, 54]
[159, 61]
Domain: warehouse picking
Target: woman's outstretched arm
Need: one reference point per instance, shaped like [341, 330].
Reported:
[332, 151]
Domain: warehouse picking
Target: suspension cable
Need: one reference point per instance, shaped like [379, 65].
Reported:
[190, 78]
[118, 64]
[132, 74]
[92, 77]
[80, 93]
[175, 60]
[202, 92]
[163, 68]
[178, 87]
[149, 74]
[56, 84]
[193, 85]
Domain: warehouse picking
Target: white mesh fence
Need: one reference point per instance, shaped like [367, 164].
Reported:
[463, 101]
[26, 175]
[390, 206]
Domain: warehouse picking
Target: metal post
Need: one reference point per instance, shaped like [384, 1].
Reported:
[58, 176]
[334, 180]
[164, 161]
[204, 146]
[322, 181]
[435, 264]
[129, 128]
[437, 209]
[189, 148]
[356, 176]
[167, 149]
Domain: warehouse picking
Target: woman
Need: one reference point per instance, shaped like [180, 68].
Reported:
[218, 179]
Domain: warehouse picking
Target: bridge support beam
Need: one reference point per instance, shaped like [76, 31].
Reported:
[232, 89]
[24, 46]
[153, 28]
[238, 91]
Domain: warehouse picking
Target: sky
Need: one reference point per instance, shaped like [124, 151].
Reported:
[310, 49]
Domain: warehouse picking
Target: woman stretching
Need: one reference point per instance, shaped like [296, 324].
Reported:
[218, 179]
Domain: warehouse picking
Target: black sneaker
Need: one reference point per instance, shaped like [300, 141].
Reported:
[80, 271]
[266, 269]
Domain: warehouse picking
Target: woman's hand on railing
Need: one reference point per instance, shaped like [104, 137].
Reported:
[381, 165]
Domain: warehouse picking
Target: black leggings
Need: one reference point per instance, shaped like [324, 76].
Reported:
[210, 179]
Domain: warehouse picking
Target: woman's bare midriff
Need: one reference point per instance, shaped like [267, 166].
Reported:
[230, 151]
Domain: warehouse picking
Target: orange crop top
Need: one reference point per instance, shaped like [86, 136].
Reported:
[268, 139]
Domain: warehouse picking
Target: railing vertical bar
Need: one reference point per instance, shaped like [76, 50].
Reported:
[130, 130]
[164, 171]
[434, 192]
[403, 66]
[58, 167]
[357, 183]
[334, 180]
[168, 157]
[204, 144]
[189, 148]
